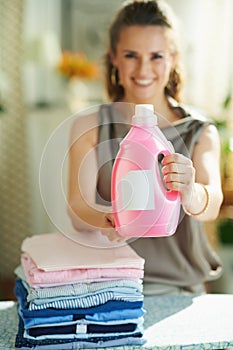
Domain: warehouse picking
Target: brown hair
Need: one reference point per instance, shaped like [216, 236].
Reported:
[142, 13]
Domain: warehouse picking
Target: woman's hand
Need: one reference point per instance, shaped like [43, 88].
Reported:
[179, 175]
[198, 180]
[109, 229]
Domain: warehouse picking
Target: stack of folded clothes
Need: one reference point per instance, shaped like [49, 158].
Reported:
[71, 296]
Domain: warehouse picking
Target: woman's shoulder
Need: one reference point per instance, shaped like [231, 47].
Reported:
[190, 114]
[84, 126]
[195, 113]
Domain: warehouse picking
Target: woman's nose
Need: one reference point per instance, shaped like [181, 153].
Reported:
[144, 66]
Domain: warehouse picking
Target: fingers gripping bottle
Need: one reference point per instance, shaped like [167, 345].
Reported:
[142, 206]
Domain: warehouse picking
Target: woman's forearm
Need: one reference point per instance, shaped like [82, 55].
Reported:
[205, 202]
[88, 217]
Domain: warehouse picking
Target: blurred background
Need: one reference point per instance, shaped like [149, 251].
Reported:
[38, 92]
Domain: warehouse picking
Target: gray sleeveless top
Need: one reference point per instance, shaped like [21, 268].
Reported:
[185, 258]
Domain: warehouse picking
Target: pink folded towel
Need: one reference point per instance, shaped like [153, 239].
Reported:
[36, 276]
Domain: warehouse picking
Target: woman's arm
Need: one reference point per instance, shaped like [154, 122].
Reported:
[82, 180]
[199, 179]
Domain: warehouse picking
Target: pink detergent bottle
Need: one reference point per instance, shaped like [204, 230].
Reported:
[142, 206]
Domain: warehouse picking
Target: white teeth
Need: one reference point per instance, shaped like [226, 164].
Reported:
[144, 81]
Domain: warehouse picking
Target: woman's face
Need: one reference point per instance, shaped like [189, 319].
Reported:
[144, 61]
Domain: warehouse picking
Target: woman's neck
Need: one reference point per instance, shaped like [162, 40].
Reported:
[162, 107]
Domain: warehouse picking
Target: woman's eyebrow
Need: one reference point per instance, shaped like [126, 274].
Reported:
[152, 52]
[129, 50]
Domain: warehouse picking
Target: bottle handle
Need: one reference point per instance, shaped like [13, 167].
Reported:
[171, 195]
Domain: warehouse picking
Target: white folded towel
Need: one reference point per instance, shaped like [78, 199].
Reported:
[54, 251]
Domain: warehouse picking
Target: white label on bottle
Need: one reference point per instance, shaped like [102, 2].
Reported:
[137, 188]
[81, 328]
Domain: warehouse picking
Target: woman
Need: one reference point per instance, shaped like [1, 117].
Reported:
[142, 66]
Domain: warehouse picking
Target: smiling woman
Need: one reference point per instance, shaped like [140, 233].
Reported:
[143, 66]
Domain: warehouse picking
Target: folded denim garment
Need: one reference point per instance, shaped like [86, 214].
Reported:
[80, 331]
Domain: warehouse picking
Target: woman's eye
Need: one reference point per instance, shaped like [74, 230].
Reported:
[157, 56]
[130, 55]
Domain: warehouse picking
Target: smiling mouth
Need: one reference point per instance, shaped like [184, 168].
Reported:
[143, 82]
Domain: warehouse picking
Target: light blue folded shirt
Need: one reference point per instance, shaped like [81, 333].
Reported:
[138, 321]
[124, 314]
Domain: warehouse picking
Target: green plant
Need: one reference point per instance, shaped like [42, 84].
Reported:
[225, 231]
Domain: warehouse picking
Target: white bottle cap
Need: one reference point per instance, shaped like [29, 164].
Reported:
[144, 115]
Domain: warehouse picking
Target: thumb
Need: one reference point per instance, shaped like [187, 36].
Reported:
[110, 219]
